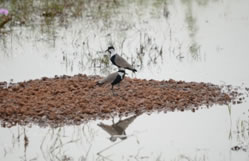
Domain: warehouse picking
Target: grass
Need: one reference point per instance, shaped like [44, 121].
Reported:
[28, 12]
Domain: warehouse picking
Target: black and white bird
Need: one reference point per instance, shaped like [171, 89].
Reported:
[119, 61]
[113, 78]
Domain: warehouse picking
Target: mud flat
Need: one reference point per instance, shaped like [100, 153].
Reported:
[76, 99]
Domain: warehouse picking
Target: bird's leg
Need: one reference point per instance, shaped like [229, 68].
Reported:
[113, 122]
[113, 91]
[119, 119]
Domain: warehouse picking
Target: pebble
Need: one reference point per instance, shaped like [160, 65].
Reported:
[73, 99]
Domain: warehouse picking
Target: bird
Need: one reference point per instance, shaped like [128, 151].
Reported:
[117, 130]
[119, 61]
[113, 78]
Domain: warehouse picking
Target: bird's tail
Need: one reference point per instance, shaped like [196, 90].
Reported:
[132, 69]
[99, 83]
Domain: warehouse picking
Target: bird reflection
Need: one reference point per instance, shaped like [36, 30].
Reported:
[117, 130]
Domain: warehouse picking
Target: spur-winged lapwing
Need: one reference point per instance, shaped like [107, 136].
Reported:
[118, 60]
[113, 78]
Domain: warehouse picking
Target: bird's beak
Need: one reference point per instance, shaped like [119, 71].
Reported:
[106, 50]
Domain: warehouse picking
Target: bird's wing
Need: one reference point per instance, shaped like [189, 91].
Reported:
[126, 122]
[109, 129]
[120, 61]
[109, 78]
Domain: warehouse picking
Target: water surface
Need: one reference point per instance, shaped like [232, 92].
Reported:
[190, 40]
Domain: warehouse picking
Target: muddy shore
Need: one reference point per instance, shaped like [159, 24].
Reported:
[76, 99]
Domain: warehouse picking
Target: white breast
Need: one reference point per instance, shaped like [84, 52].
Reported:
[121, 74]
[113, 52]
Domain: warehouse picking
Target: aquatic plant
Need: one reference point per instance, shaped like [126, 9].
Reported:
[5, 18]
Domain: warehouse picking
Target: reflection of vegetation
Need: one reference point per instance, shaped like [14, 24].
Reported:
[29, 11]
[53, 145]
[195, 50]
[116, 22]
[56, 140]
[148, 50]
[199, 156]
[192, 27]
[50, 143]
[230, 117]
[18, 138]
[242, 132]
[191, 21]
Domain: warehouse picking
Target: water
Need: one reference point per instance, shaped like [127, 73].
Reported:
[203, 41]
[207, 134]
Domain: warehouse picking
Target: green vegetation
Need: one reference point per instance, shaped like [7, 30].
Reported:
[31, 12]
[122, 20]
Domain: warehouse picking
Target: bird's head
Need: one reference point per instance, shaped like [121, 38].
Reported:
[113, 138]
[110, 49]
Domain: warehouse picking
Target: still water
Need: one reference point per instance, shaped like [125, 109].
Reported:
[190, 40]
